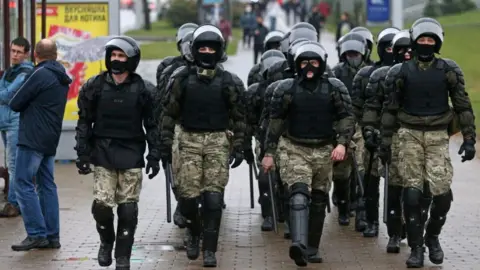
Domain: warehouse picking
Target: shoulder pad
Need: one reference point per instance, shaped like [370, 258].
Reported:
[395, 70]
[365, 71]
[167, 61]
[149, 86]
[253, 87]
[181, 71]
[336, 83]
[234, 78]
[286, 84]
[450, 64]
[379, 73]
[337, 68]
[279, 66]
[255, 68]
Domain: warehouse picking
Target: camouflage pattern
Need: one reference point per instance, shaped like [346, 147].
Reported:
[234, 90]
[113, 187]
[462, 107]
[254, 106]
[343, 170]
[166, 62]
[395, 179]
[424, 157]
[357, 139]
[281, 100]
[308, 165]
[176, 165]
[345, 73]
[254, 76]
[265, 117]
[204, 158]
[279, 71]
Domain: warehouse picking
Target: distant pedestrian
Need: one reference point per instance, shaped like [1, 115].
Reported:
[41, 102]
[260, 33]
[248, 24]
[226, 28]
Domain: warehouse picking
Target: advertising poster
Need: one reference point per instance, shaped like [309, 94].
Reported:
[378, 11]
[68, 24]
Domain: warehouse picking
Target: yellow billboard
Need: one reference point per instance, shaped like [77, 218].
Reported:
[69, 24]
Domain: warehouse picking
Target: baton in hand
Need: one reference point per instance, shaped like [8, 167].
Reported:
[255, 170]
[169, 185]
[385, 193]
[252, 200]
[272, 202]
[357, 175]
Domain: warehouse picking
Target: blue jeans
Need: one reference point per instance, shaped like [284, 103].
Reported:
[10, 139]
[40, 213]
[273, 23]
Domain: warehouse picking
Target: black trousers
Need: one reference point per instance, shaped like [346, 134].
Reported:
[257, 50]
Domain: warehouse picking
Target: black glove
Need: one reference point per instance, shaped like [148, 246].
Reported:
[236, 159]
[154, 166]
[468, 147]
[166, 158]
[249, 156]
[83, 165]
[385, 154]
[371, 139]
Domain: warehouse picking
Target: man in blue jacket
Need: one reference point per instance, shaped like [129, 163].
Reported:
[11, 80]
[41, 102]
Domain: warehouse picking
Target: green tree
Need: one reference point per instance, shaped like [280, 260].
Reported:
[182, 11]
[432, 9]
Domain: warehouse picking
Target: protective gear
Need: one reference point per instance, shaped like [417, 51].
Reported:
[414, 225]
[292, 51]
[303, 30]
[103, 216]
[269, 58]
[204, 106]
[236, 159]
[118, 67]
[384, 41]
[426, 93]
[401, 46]
[249, 156]
[468, 147]
[265, 202]
[182, 32]
[342, 191]
[427, 27]
[272, 40]
[154, 166]
[353, 42]
[385, 154]
[189, 209]
[371, 205]
[129, 47]
[285, 44]
[212, 216]
[127, 224]
[299, 200]
[438, 216]
[208, 36]
[425, 52]
[178, 219]
[355, 61]
[371, 138]
[310, 51]
[83, 165]
[368, 37]
[394, 219]
[185, 47]
[316, 221]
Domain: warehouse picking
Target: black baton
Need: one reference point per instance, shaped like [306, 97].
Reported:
[252, 200]
[272, 202]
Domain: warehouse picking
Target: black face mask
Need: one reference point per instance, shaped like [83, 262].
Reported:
[387, 59]
[307, 69]
[424, 52]
[118, 67]
[206, 60]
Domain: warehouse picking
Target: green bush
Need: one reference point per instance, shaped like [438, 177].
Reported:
[238, 9]
[182, 11]
[456, 6]
[432, 9]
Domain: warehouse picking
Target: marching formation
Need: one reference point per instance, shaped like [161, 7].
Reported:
[315, 127]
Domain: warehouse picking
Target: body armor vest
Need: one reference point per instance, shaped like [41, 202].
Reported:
[204, 107]
[311, 113]
[347, 78]
[119, 112]
[261, 95]
[425, 91]
[12, 73]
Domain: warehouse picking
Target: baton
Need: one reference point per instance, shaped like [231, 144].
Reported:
[357, 175]
[251, 168]
[255, 170]
[272, 202]
[169, 185]
[385, 193]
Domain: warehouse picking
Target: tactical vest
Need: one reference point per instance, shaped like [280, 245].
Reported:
[261, 96]
[118, 111]
[12, 73]
[425, 91]
[205, 107]
[347, 78]
[311, 113]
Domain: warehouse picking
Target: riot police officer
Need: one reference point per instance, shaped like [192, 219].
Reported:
[204, 99]
[352, 50]
[369, 219]
[110, 136]
[417, 97]
[369, 38]
[306, 107]
[255, 100]
[271, 42]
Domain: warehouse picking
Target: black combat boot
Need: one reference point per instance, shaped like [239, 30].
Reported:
[286, 227]
[315, 224]
[343, 203]
[178, 219]
[354, 191]
[280, 198]
[371, 205]
[127, 224]
[212, 218]
[438, 216]
[103, 216]
[267, 224]
[414, 225]
[395, 226]
[191, 211]
[360, 216]
[299, 223]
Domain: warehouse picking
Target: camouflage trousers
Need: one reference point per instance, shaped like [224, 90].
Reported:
[308, 165]
[424, 158]
[204, 163]
[343, 170]
[394, 178]
[112, 187]
[176, 165]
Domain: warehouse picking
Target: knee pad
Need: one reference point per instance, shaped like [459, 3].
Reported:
[101, 213]
[263, 182]
[128, 213]
[319, 201]
[441, 205]
[299, 196]
[299, 188]
[411, 197]
[189, 207]
[394, 199]
[213, 201]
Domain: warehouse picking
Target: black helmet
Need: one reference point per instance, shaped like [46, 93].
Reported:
[427, 27]
[285, 44]
[183, 30]
[401, 41]
[293, 48]
[185, 46]
[269, 58]
[367, 35]
[309, 51]
[384, 40]
[273, 40]
[128, 46]
[353, 42]
[208, 36]
[303, 30]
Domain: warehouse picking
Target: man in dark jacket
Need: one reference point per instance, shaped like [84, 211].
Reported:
[260, 33]
[41, 102]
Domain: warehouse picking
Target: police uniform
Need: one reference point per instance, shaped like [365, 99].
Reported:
[365, 33]
[417, 97]
[110, 135]
[301, 111]
[204, 100]
[271, 42]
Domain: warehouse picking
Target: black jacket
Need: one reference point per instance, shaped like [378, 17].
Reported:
[260, 33]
